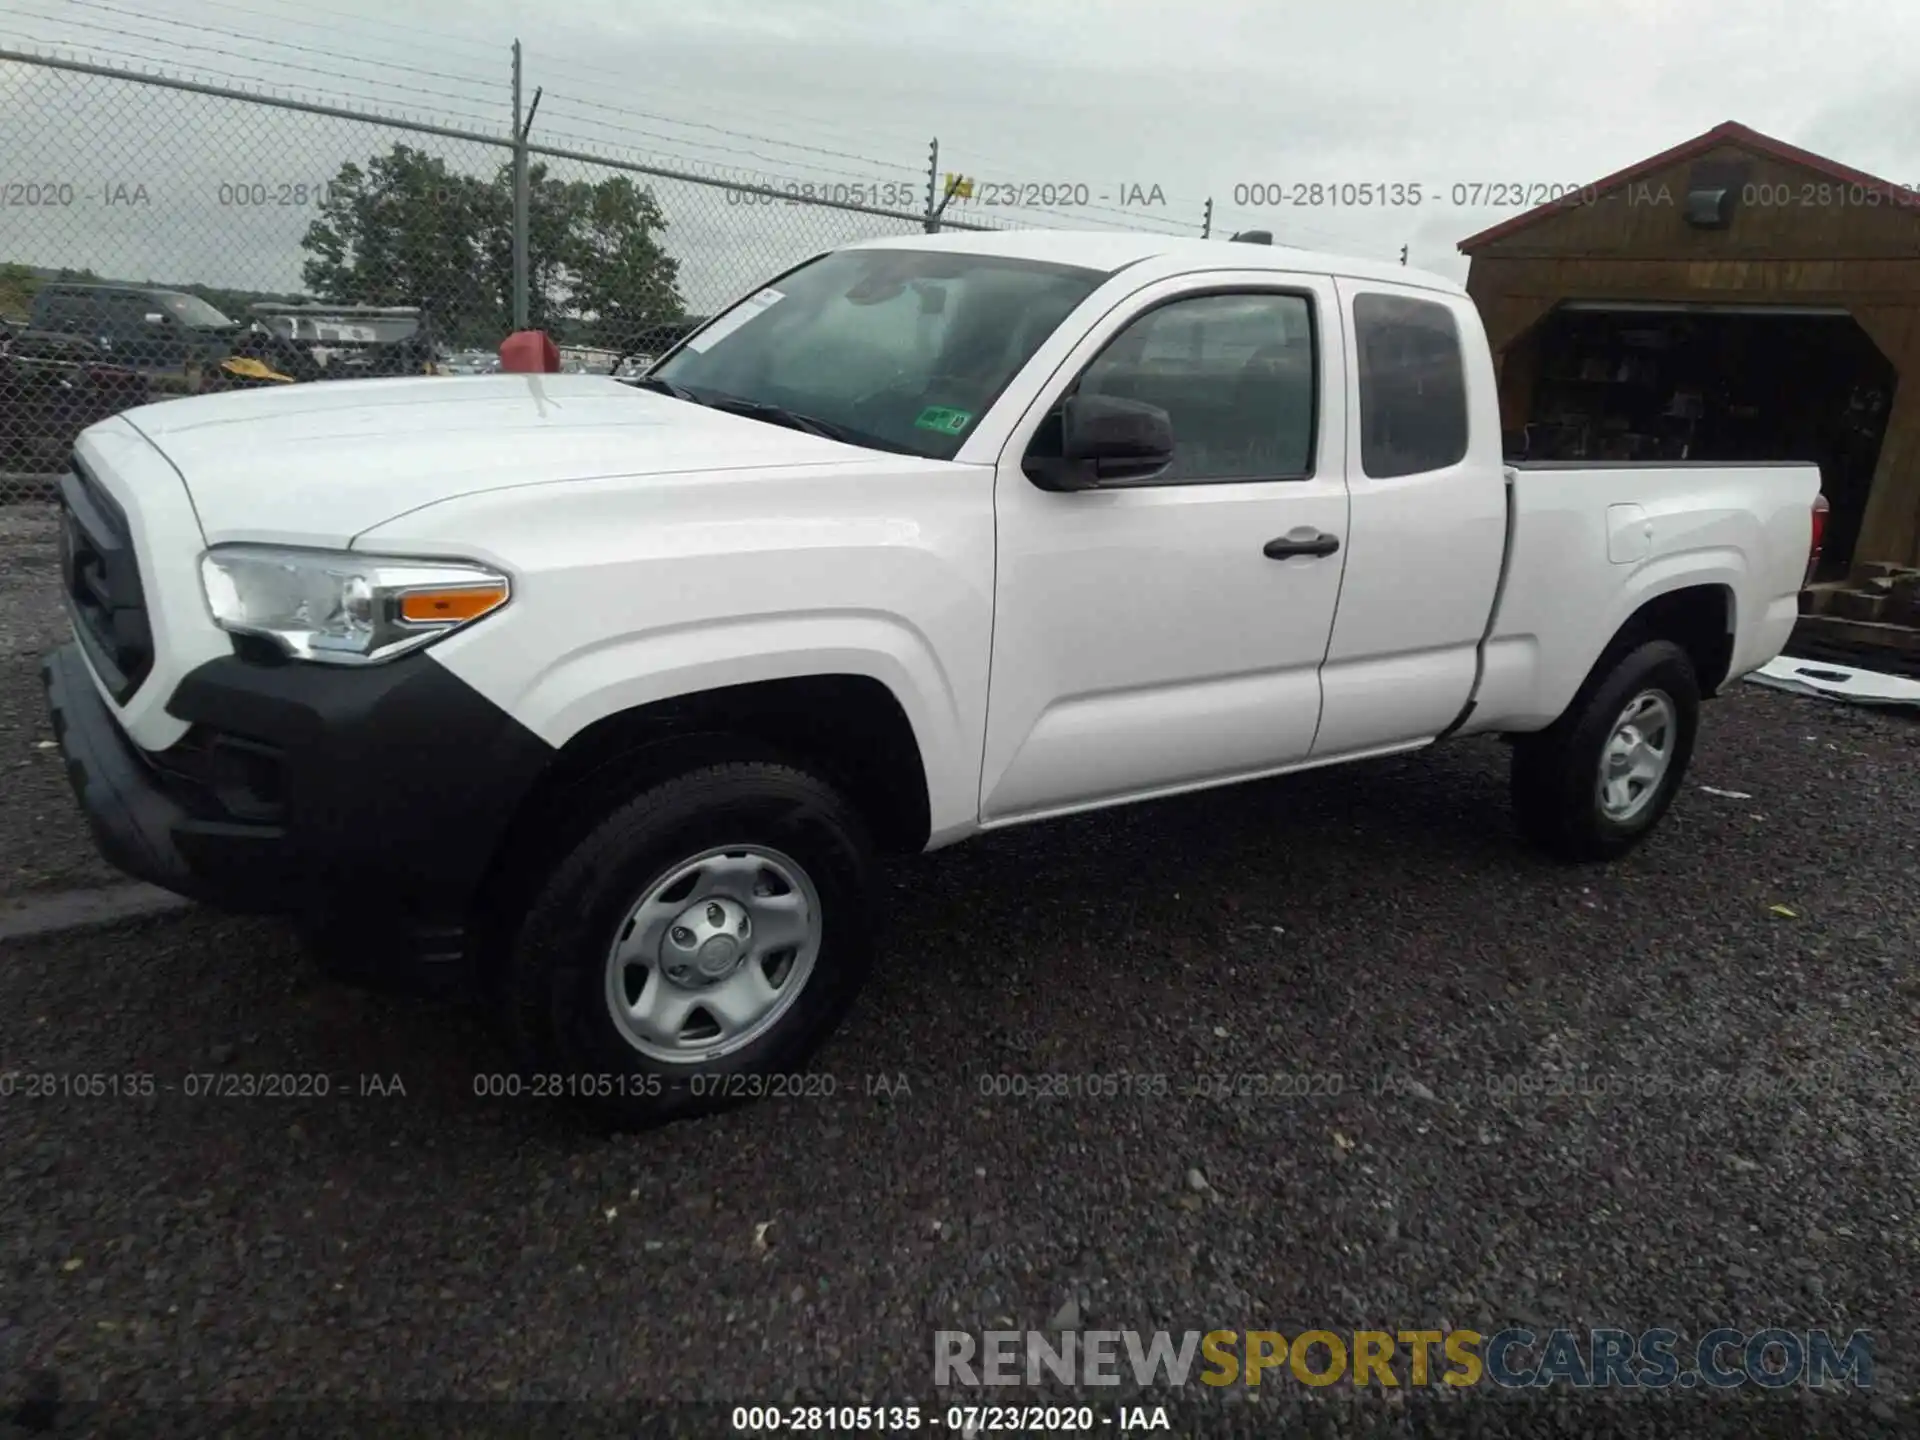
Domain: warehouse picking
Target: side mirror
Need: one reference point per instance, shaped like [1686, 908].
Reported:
[1104, 439]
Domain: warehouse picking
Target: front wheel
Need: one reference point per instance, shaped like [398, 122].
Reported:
[1596, 782]
[696, 946]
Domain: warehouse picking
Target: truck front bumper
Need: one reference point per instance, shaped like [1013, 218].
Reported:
[369, 799]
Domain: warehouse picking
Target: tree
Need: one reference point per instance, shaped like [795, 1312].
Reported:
[624, 280]
[407, 230]
[17, 284]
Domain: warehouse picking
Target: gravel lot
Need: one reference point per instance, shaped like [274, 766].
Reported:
[44, 844]
[1374, 925]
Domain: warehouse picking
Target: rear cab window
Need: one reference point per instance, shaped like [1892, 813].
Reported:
[1413, 386]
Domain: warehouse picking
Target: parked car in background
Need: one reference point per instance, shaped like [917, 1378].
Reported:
[51, 388]
[588, 360]
[285, 344]
[470, 362]
[151, 330]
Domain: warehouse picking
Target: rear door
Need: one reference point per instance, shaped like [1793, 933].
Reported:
[1144, 639]
[1428, 489]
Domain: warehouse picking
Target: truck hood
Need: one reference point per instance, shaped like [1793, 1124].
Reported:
[319, 463]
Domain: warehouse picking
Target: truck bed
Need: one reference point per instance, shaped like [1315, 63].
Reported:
[1740, 528]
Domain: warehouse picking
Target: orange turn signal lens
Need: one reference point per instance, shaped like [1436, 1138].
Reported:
[452, 605]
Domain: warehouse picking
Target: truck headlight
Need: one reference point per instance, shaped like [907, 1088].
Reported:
[342, 608]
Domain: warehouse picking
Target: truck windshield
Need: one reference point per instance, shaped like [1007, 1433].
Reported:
[899, 349]
[197, 314]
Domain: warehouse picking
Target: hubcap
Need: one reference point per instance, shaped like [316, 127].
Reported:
[1638, 754]
[713, 953]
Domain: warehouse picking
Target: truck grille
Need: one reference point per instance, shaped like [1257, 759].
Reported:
[101, 582]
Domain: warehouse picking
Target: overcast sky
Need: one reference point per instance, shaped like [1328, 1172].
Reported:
[1196, 98]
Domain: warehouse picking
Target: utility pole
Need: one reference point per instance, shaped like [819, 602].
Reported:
[1206, 223]
[933, 185]
[519, 202]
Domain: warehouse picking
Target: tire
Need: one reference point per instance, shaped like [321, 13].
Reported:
[561, 979]
[1557, 773]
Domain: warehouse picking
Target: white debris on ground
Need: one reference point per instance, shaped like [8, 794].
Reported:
[1837, 682]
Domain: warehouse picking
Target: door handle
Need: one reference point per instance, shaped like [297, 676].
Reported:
[1285, 547]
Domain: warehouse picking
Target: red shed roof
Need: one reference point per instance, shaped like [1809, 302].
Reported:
[1728, 132]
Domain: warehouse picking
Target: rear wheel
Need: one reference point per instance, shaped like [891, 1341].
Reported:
[696, 947]
[1596, 782]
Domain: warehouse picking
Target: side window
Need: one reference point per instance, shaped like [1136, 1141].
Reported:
[60, 313]
[1413, 386]
[86, 312]
[1236, 376]
[128, 314]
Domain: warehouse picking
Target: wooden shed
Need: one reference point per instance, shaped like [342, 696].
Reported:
[1731, 298]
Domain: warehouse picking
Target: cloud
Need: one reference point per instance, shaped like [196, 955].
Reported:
[1207, 99]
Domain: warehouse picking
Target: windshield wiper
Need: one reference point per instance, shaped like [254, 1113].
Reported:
[780, 415]
[664, 387]
[761, 410]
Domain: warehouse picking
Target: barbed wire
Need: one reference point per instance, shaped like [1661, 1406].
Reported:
[559, 108]
[384, 64]
[565, 69]
[718, 129]
[121, 32]
[382, 109]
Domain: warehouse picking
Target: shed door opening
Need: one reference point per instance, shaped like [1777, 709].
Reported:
[1647, 384]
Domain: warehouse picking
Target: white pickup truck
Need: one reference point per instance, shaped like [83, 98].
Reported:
[602, 696]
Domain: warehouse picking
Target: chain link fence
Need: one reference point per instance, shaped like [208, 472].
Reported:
[163, 237]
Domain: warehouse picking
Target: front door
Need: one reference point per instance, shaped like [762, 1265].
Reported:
[1165, 634]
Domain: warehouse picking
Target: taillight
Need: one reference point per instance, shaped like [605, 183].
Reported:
[1820, 509]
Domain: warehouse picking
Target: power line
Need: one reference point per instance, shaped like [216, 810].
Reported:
[1011, 213]
[723, 130]
[360, 24]
[561, 68]
[232, 55]
[284, 44]
[1129, 216]
[464, 79]
[558, 68]
[240, 81]
[1133, 220]
[709, 145]
[693, 164]
[973, 153]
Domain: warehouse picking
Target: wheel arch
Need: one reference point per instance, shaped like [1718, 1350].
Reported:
[1701, 618]
[849, 728]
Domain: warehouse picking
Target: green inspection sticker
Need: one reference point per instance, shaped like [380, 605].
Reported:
[944, 419]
